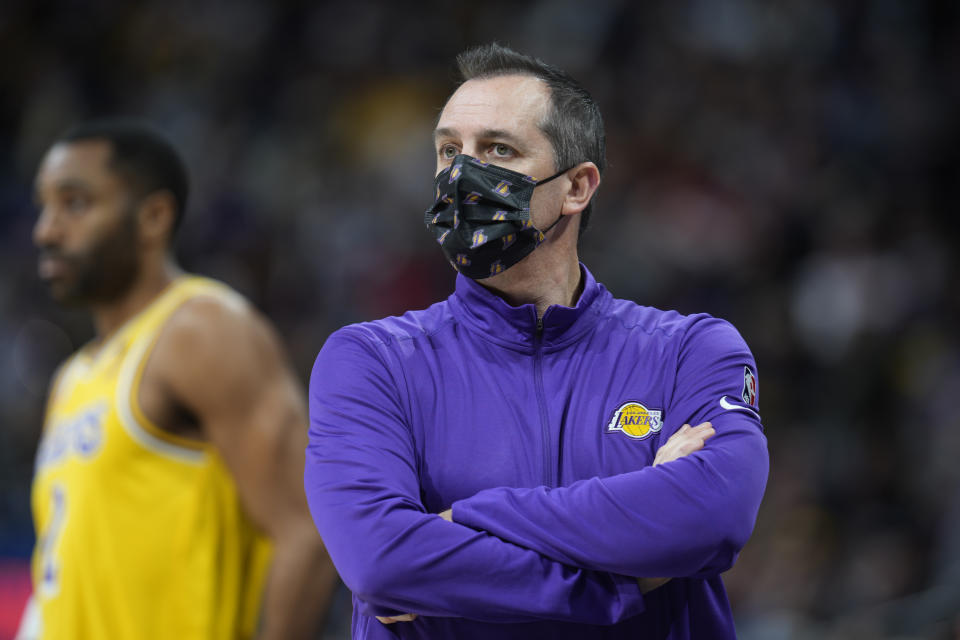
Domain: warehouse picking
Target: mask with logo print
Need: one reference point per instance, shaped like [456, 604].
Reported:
[481, 217]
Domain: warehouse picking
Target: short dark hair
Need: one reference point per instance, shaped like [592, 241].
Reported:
[141, 155]
[573, 124]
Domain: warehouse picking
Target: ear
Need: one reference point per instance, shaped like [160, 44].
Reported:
[584, 180]
[157, 214]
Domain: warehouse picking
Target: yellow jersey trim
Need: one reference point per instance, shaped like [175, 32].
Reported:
[134, 400]
[137, 425]
[139, 433]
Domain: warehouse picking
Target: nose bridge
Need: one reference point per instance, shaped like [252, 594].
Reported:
[471, 148]
[47, 226]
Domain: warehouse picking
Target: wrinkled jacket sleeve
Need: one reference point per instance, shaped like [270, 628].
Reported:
[688, 517]
[361, 482]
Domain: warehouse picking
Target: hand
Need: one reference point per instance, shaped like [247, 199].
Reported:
[685, 441]
[406, 617]
[649, 584]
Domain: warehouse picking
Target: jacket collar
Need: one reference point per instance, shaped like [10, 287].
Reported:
[516, 327]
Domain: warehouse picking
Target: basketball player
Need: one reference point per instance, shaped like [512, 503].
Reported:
[167, 494]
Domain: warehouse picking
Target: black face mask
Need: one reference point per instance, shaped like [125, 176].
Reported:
[482, 216]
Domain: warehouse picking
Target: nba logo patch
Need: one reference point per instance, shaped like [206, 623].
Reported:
[749, 393]
[503, 188]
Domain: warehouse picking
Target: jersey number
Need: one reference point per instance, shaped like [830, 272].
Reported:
[50, 580]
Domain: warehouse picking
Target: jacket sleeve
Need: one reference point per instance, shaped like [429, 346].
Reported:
[688, 517]
[361, 482]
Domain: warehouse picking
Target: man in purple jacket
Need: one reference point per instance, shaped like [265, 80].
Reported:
[517, 461]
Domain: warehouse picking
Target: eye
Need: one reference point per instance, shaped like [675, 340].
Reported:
[448, 151]
[501, 150]
[76, 202]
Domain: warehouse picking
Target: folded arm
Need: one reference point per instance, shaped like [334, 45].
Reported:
[362, 486]
[688, 517]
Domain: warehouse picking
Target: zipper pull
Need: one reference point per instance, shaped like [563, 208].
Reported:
[539, 326]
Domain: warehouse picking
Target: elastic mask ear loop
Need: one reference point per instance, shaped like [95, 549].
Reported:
[545, 181]
[556, 175]
[555, 222]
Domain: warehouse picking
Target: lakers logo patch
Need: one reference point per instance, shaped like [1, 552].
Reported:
[503, 188]
[636, 420]
[479, 238]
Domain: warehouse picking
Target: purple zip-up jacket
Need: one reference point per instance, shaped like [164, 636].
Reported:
[541, 437]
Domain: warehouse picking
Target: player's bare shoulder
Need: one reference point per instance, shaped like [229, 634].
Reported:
[214, 324]
[212, 350]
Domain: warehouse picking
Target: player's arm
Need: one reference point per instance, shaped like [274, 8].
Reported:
[362, 484]
[223, 362]
[687, 517]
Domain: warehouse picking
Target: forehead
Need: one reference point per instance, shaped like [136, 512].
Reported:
[82, 162]
[515, 103]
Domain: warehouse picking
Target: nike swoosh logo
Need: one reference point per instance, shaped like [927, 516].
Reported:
[728, 406]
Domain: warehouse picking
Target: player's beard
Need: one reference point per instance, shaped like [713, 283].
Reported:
[103, 272]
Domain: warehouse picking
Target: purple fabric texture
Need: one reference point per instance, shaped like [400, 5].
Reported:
[542, 441]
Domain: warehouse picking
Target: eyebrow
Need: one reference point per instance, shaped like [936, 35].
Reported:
[485, 134]
[70, 184]
[444, 132]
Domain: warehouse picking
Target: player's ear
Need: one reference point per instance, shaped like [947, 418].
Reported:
[157, 215]
[584, 180]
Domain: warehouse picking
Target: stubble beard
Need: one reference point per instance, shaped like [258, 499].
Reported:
[103, 273]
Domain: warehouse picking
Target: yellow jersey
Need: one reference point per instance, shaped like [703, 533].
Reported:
[140, 534]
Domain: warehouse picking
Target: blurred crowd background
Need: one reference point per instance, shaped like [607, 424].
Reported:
[789, 166]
